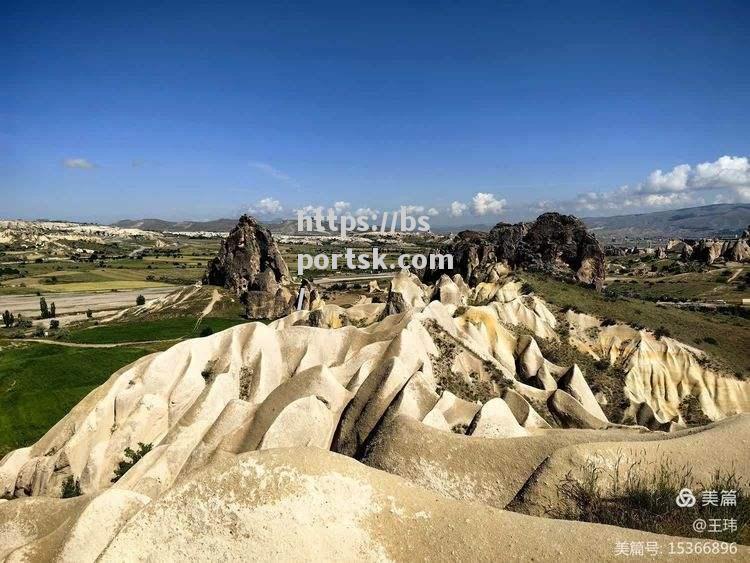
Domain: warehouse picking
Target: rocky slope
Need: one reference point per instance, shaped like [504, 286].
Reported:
[453, 395]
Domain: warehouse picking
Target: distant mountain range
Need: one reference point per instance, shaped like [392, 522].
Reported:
[721, 220]
[216, 225]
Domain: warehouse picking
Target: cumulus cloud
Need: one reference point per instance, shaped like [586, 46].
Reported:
[432, 212]
[457, 209]
[78, 163]
[413, 209]
[485, 203]
[266, 206]
[683, 185]
[340, 207]
[367, 212]
[727, 172]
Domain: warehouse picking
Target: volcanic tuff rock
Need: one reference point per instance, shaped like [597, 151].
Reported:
[222, 411]
[709, 251]
[245, 254]
[250, 264]
[553, 242]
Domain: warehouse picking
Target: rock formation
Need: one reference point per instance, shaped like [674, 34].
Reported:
[554, 242]
[452, 395]
[249, 263]
[709, 251]
[245, 254]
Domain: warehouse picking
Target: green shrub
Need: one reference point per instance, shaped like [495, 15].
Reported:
[140, 300]
[131, 458]
[8, 319]
[662, 331]
[71, 488]
[206, 331]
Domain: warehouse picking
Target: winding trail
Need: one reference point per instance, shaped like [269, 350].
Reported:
[215, 297]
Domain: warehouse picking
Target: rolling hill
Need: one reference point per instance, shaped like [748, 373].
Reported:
[721, 220]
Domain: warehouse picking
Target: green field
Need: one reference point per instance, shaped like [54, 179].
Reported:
[40, 383]
[730, 332]
[143, 331]
[690, 286]
[183, 263]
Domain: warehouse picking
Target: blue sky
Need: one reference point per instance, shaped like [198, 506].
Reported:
[163, 109]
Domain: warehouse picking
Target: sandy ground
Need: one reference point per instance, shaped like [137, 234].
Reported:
[67, 303]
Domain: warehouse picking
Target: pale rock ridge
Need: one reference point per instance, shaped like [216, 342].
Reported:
[661, 372]
[204, 402]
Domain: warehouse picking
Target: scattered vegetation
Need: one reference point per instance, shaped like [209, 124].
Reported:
[643, 498]
[601, 376]
[131, 458]
[43, 308]
[70, 488]
[472, 388]
[691, 411]
[731, 332]
[460, 428]
[208, 370]
[140, 300]
[662, 331]
[526, 288]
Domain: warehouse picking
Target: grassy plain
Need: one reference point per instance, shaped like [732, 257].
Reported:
[144, 331]
[40, 383]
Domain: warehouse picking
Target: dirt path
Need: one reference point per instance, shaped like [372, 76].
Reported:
[734, 275]
[215, 297]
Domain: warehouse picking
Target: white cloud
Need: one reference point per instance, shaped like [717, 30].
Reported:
[273, 172]
[432, 212]
[78, 163]
[542, 206]
[266, 206]
[725, 173]
[457, 209]
[681, 186]
[413, 209]
[484, 203]
[341, 206]
[367, 212]
[309, 210]
[673, 181]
